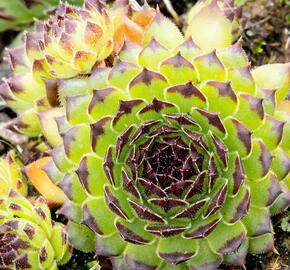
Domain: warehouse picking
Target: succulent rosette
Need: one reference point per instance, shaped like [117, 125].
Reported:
[10, 176]
[68, 44]
[71, 43]
[29, 239]
[175, 157]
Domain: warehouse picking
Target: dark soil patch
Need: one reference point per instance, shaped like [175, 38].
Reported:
[267, 34]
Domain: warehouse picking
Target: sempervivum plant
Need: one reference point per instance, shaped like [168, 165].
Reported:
[72, 42]
[28, 237]
[176, 157]
[10, 176]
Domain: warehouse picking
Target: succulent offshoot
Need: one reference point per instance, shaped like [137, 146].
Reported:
[29, 239]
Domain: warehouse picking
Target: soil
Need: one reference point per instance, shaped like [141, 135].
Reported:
[266, 39]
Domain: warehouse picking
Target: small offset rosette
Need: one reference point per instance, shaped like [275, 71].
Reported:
[29, 239]
[72, 41]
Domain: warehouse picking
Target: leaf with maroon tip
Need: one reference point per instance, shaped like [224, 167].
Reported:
[271, 132]
[129, 52]
[202, 228]
[197, 187]
[117, 202]
[132, 162]
[71, 186]
[265, 191]
[109, 245]
[239, 137]
[93, 34]
[164, 31]
[257, 221]
[238, 257]
[133, 232]
[178, 70]
[49, 126]
[76, 142]
[181, 119]
[282, 202]
[67, 45]
[145, 128]
[143, 257]
[269, 100]
[157, 108]
[104, 102]
[122, 142]
[76, 109]
[152, 55]
[206, 258]
[220, 150]
[151, 189]
[82, 60]
[188, 49]
[229, 242]
[129, 185]
[281, 163]
[251, 111]
[122, 73]
[144, 213]
[236, 208]
[59, 68]
[261, 244]
[209, 121]
[102, 135]
[165, 231]
[261, 157]
[16, 59]
[242, 80]
[210, 67]
[186, 96]
[176, 249]
[168, 204]
[147, 85]
[62, 162]
[192, 210]
[217, 201]
[99, 219]
[212, 173]
[221, 97]
[91, 175]
[233, 56]
[127, 113]
[178, 188]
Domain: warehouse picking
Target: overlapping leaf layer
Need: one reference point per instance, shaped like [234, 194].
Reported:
[174, 158]
[28, 237]
[173, 153]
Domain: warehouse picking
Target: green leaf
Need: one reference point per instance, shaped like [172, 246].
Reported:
[85, 243]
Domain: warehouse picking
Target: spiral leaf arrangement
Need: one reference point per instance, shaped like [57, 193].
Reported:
[28, 238]
[173, 153]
